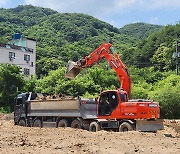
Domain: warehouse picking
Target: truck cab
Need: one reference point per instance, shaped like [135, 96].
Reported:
[20, 107]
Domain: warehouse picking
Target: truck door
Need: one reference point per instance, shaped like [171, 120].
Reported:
[107, 103]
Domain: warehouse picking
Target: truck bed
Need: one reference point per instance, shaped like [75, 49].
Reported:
[85, 108]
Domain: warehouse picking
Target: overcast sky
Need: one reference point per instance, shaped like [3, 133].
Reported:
[115, 12]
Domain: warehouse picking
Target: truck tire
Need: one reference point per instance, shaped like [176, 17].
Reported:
[94, 127]
[22, 122]
[76, 124]
[37, 123]
[62, 123]
[125, 126]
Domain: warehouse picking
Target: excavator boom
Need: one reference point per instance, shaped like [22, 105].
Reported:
[103, 51]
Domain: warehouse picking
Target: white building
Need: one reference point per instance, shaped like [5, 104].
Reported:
[20, 51]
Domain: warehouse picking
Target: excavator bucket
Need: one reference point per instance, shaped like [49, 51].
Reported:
[72, 70]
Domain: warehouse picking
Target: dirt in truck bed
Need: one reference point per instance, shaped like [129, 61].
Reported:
[51, 97]
[26, 140]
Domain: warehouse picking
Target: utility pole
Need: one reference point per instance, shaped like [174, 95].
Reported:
[177, 69]
[176, 55]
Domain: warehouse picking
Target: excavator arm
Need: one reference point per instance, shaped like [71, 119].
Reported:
[103, 51]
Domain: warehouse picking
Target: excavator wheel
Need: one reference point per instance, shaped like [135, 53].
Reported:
[76, 124]
[94, 127]
[125, 126]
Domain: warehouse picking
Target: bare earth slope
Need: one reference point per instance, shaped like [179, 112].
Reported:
[16, 139]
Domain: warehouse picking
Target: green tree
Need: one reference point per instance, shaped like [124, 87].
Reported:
[30, 84]
[167, 93]
[162, 58]
[44, 65]
[140, 91]
[48, 84]
[11, 81]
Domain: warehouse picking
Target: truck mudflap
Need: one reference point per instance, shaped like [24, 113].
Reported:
[149, 125]
[72, 70]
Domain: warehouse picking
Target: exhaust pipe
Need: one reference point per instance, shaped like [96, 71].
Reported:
[72, 70]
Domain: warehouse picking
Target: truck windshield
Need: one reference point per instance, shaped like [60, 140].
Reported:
[19, 101]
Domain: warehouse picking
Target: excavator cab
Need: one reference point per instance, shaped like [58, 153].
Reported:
[108, 102]
[72, 70]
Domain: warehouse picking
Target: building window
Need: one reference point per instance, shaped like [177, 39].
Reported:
[26, 71]
[27, 57]
[30, 50]
[32, 64]
[8, 46]
[12, 55]
[23, 49]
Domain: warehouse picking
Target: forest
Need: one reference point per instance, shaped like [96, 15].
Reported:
[146, 49]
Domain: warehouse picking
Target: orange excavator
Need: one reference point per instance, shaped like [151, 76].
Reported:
[114, 107]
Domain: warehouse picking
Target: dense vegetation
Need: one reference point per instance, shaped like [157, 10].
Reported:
[146, 49]
[10, 80]
[156, 50]
[60, 37]
[139, 30]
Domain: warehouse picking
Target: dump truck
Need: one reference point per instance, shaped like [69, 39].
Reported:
[34, 111]
[111, 110]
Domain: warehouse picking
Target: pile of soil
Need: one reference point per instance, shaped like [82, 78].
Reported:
[30, 140]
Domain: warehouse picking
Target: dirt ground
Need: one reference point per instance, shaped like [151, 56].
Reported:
[26, 140]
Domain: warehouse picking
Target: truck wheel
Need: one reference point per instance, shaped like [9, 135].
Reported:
[62, 123]
[22, 122]
[125, 126]
[37, 123]
[94, 127]
[76, 124]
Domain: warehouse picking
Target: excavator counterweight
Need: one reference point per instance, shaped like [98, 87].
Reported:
[72, 70]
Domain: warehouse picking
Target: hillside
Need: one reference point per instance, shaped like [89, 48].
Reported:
[68, 27]
[139, 30]
[156, 50]
[19, 18]
[69, 36]
[60, 36]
